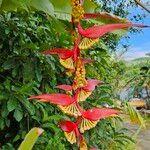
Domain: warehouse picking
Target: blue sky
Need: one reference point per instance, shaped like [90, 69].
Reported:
[139, 43]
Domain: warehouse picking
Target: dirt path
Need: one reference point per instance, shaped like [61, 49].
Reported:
[143, 138]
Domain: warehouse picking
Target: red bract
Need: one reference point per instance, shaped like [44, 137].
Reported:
[72, 133]
[95, 114]
[98, 31]
[86, 91]
[61, 52]
[94, 149]
[67, 57]
[88, 42]
[91, 84]
[66, 103]
[91, 117]
[59, 99]
[64, 87]
[67, 126]
[70, 130]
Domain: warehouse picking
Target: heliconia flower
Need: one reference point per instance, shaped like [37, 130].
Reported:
[100, 30]
[88, 42]
[65, 55]
[91, 83]
[86, 91]
[71, 131]
[66, 103]
[91, 117]
[58, 99]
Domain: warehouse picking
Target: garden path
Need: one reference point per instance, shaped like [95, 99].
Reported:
[143, 138]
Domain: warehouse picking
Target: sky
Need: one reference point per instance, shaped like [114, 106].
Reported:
[139, 43]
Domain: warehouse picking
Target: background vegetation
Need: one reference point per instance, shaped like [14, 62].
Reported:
[24, 71]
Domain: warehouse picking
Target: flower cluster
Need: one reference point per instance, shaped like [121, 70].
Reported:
[81, 87]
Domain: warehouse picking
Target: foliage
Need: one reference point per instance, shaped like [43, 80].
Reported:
[136, 76]
[26, 72]
[30, 139]
[50, 7]
[135, 116]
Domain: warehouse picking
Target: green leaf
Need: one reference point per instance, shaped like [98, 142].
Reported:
[62, 9]
[58, 25]
[30, 139]
[10, 63]
[29, 106]
[40, 5]
[43, 5]
[8, 5]
[89, 6]
[1, 2]
[2, 123]
[18, 115]
[11, 104]
[13, 5]
[38, 73]
[28, 73]
[8, 146]
[135, 116]
[121, 32]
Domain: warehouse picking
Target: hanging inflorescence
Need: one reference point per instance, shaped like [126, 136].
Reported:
[81, 87]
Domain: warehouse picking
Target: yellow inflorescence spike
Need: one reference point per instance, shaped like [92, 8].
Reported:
[79, 79]
[77, 10]
[83, 145]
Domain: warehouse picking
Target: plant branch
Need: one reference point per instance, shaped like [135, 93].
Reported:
[142, 5]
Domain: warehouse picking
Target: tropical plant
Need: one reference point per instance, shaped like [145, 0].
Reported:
[25, 72]
[81, 88]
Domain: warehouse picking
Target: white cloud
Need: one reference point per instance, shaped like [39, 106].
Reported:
[136, 52]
